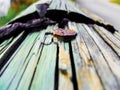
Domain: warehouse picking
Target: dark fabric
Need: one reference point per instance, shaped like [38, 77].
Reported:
[46, 17]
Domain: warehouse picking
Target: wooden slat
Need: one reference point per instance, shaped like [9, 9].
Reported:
[13, 55]
[87, 78]
[62, 4]
[111, 58]
[44, 73]
[117, 35]
[109, 35]
[65, 72]
[109, 38]
[26, 71]
[16, 61]
[5, 44]
[45, 70]
[102, 67]
[8, 49]
[55, 4]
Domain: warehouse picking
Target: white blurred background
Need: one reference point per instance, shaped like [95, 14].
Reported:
[4, 7]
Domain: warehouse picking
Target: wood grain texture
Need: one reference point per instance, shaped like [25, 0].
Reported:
[42, 61]
[87, 77]
[65, 72]
[108, 79]
[109, 38]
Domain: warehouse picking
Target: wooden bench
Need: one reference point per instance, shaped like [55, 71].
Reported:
[89, 62]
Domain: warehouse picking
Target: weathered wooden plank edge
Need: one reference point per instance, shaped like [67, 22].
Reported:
[65, 68]
[84, 66]
[114, 43]
[102, 66]
[45, 63]
[110, 56]
[34, 54]
[16, 63]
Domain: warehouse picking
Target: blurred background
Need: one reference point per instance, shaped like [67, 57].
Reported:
[108, 10]
[10, 8]
[116, 1]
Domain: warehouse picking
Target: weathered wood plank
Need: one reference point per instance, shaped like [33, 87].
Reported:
[105, 48]
[117, 35]
[55, 4]
[107, 77]
[62, 4]
[109, 38]
[26, 71]
[8, 44]
[87, 78]
[12, 57]
[5, 44]
[109, 35]
[86, 63]
[16, 61]
[8, 51]
[65, 70]
[44, 74]
[110, 56]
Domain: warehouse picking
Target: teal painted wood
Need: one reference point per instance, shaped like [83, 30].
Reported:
[25, 72]
[7, 44]
[44, 75]
[7, 48]
[45, 70]
[16, 61]
[4, 45]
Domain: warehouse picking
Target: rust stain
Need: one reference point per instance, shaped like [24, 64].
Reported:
[65, 35]
[84, 53]
[65, 82]
[63, 32]
[87, 77]
[90, 62]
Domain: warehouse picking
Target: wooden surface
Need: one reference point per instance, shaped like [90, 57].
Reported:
[89, 62]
